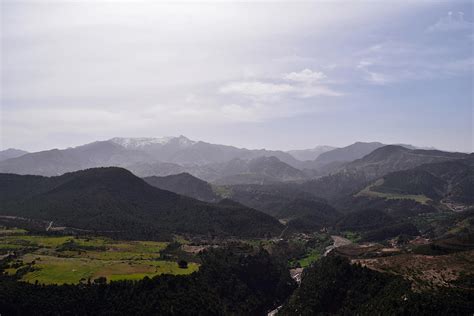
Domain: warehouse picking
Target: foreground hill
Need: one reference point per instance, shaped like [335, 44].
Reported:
[376, 224]
[114, 201]
[226, 284]
[185, 184]
[333, 286]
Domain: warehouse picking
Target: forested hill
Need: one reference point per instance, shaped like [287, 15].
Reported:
[113, 200]
[226, 284]
[335, 287]
[185, 184]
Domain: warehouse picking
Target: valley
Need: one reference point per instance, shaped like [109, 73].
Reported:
[391, 219]
[236, 158]
[49, 259]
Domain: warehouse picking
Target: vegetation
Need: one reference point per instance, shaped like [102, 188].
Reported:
[112, 201]
[225, 284]
[185, 184]
[334, 286]
[302, 210]
[426, 272]
[68, 259]
[85, 250]
[352, 236]
[379, 191]
[312, 249]
[443, 246]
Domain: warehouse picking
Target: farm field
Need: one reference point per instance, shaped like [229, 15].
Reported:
[72, 260]
[369, 192]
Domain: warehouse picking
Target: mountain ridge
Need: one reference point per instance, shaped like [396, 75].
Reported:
[114, 200]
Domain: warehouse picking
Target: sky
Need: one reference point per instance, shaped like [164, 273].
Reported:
[261, 74]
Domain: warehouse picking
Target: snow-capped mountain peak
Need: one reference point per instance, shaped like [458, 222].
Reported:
[142, 142]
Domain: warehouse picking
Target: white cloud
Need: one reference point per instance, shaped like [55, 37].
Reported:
[275, 91]
[302, 84]
[256, 88]
[451, 22]
[396, 61]
[377, 78]
[370, 75]
[305, 76]
[363, 64]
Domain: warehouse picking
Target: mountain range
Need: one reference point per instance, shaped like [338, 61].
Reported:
[310, 154]
[114, 201]
[226, 188]
[173, 155]
[11, 153]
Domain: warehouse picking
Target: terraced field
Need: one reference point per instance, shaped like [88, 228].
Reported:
[69, 259]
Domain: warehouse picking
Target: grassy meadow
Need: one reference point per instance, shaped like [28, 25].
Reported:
[370, 192]
[69, 259]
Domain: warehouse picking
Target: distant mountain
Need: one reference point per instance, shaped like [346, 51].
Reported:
[185, 184]
[335, 186]
[348, 153]
[333, 160]
[392, 158]
[183, 151]
[114, 201]
[11, 153]
[144, 156]
[262, 170]
[449, 180]
[310, 154]
[159, 169]
[354, 176]
[56, 162]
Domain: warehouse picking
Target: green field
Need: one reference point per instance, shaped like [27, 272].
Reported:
[352, 236]
[369, 192]
[69, 259]
[314, 247]
[311, 257]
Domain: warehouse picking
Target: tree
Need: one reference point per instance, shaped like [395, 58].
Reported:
[100, 280]
[183, 264]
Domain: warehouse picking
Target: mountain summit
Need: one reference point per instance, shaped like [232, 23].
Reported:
[144, 142]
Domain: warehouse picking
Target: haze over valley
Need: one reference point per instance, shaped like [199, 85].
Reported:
[237, 158]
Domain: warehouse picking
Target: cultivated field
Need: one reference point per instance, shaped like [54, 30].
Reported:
[69, 259]
[370, 192]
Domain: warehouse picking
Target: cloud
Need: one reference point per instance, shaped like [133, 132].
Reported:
[372, 76]
[392, 62]
[451, 22]
[302, 84]
[363, 64]
[305, 76]
[256, 88]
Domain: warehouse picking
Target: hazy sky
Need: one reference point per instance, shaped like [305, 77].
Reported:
[270, 74]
